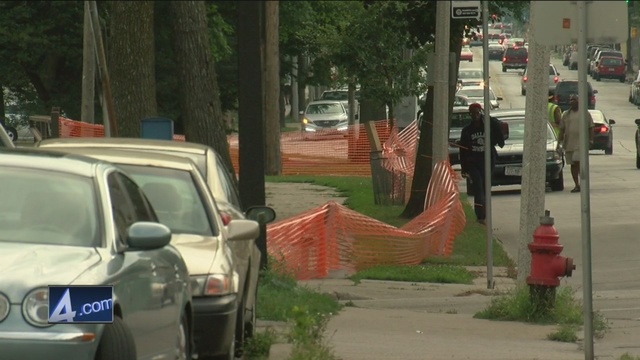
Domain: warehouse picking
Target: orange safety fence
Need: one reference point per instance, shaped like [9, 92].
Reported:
[334, 238]
[72, 128]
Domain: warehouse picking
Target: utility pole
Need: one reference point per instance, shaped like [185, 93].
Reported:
[110, 127]
[88, 70]
[441, 83]
[534, 157]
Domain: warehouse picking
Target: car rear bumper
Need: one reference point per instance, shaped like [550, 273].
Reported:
[214, 324]
[553, 171]
[514, 65]
[601, 142]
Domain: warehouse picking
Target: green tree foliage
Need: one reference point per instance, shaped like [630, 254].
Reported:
[41, 52]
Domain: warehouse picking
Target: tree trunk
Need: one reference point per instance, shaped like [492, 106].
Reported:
[200, 106]
[131, 61]
[302, 86]
[424, 164]
[87, 111]
[273, 165]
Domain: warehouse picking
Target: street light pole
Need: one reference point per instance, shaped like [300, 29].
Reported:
[487, 142]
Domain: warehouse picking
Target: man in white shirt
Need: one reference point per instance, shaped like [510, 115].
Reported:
[569, 138]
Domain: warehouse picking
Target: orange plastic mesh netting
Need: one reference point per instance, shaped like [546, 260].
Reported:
[335, 238]
[72, 128]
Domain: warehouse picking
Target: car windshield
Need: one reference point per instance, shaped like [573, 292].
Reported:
[495, 46]
[466, 49]
[597, 117]
[470, 74]
[460, 120]
[335, 95]
[570, 87]
[177, 201]
[517, 52]
[45, 207]
[552, 71]
[324, 109]
[475, 93]
[516, 131]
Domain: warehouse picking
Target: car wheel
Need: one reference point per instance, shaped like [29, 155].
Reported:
[12, 132]
[637, 161]
[183, 345]
[557, 184]
[523, 92]
[630, 98]
[116, 342]
[504, 69]
[622, 79]
[251, 320]
[239, 337]
[596, 77]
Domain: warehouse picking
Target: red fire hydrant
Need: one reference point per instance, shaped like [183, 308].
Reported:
[547, 266]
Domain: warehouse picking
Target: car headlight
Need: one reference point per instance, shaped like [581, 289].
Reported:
[210, 285]
[35, 307]
[305, 121]
[4, 307]
[553, 155]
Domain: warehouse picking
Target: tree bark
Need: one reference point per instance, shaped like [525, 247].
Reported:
[87, 110]
[302, 86]
[199, 95]
[423, 168]
[131, 61]
[273, 164]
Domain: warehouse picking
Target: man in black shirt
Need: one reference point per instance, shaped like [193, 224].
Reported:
[472, 147]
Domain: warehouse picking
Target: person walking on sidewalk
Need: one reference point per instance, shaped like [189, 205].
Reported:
[554, 114]
[569, 139]
[472, 148]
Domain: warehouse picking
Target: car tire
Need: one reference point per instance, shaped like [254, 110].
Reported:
[12, 132]
[523, 92]
[609, 150]
[637, 161]
[596, 77]
[630, 98]
[622, 79]
[183, 347]
[251, 320]
[504, 69]
[116, 342]
[239, 338]
[557, 184]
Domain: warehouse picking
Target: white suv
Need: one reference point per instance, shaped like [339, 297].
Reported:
[554, 77]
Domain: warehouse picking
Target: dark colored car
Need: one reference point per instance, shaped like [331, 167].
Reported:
[496, 51]
[515, 58]
[565, 88]
[460, 117]
[508, 169]
[602, 132]
[609, 67]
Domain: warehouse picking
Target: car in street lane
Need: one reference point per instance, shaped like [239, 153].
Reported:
[496, 50]
[634, 90]
[508, 168]
[602, 132]
[566, 88]
[221, 183]
[553, 80]
[72, 220]
[515, 58]
[470, 77]
[476, 94]
[609, 67]
[466, 54]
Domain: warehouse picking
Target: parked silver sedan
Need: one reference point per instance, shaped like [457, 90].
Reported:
[221, 182]
[178, 192]
[71, 220]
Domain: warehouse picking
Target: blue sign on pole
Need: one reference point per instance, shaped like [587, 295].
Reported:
[156, 128]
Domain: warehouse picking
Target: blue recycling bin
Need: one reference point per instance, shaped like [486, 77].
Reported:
[156, 128]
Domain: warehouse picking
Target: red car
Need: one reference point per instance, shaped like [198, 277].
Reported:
[466, 54]
[610, 67]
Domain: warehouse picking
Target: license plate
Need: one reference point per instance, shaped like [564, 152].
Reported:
[612, 69]
[513, 171]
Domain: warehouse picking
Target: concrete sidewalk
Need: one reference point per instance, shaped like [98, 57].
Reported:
[398, 320]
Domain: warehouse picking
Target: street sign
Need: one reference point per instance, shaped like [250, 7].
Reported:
[558, 22]
[465, 9]
[156, 128]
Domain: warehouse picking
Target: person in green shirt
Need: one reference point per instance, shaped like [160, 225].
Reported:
[554, 115]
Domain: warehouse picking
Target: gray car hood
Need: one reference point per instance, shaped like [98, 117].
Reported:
[519, 147]
[28, 266]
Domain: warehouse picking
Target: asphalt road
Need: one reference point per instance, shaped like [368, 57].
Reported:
[615, 195]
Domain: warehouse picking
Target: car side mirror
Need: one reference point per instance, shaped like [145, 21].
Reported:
[301, 112]
[147, 236]
[240, 229]
[557, 74]
[612, 122]
[595, 92]
[261, 214]
[499, 98]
